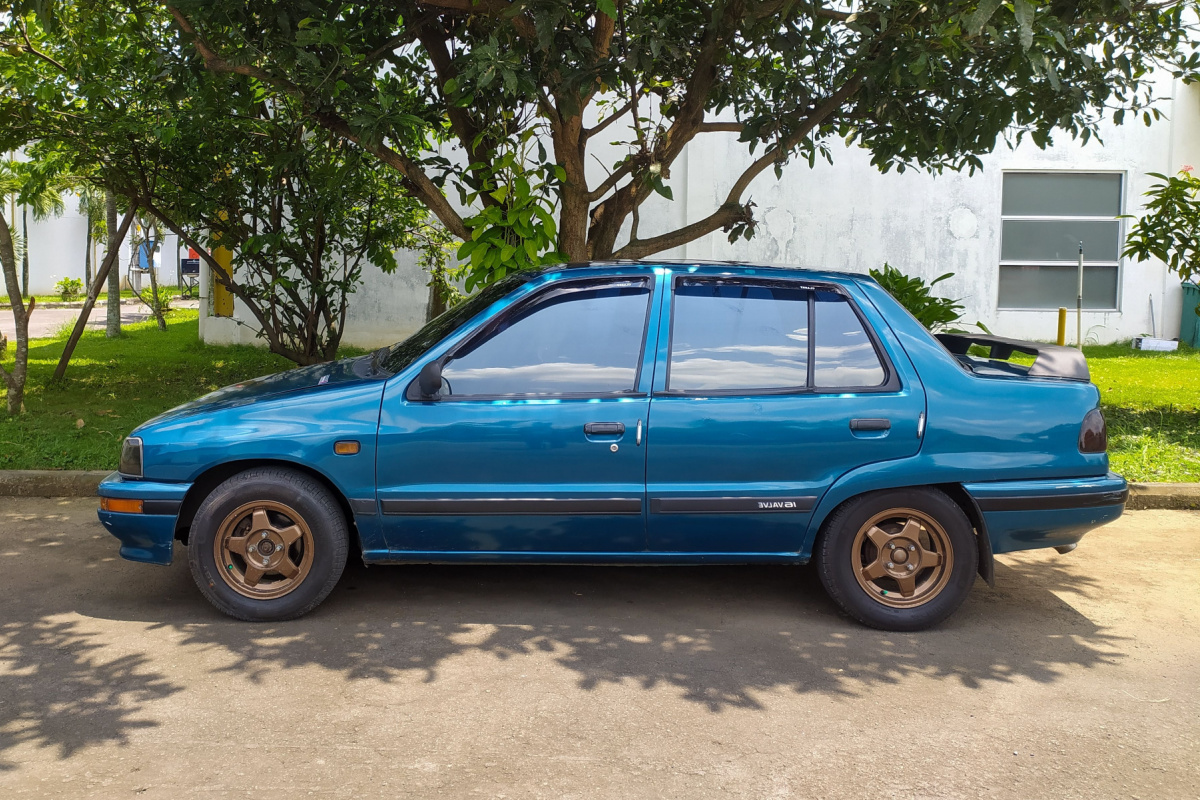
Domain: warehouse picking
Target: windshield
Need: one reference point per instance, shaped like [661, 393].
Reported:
[401, 355]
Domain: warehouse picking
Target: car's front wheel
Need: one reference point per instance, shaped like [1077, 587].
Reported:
[900, 560]
[268, 544]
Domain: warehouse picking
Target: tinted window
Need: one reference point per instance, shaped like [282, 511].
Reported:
[728, 336]
[845, 356]
[401, 355]
[568, 341]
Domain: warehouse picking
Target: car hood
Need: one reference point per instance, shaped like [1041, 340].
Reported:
[318, 377]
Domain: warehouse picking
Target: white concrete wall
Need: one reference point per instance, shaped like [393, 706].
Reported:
[386, 308]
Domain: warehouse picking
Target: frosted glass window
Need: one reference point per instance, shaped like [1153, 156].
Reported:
[1061, 194]
[1051, 287]
[1058, 240]
[1045, 217]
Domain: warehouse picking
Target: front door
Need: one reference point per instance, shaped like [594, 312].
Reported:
[534, 444]
[773, 389]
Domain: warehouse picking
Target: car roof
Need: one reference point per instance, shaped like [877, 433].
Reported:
[708, 268]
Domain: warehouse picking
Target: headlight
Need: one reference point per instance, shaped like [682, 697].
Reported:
[131, 458]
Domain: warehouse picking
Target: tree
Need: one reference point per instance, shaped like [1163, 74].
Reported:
[523, 89]
[212, 158]
[29, 187]
[1169, 230]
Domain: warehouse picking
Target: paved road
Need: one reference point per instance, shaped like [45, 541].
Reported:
[1075, 678]
[48, 321]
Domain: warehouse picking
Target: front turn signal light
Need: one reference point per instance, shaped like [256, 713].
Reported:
[121, 505]
[346, 447]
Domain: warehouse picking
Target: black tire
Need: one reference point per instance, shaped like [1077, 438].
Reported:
[321, 547]
[850, 561]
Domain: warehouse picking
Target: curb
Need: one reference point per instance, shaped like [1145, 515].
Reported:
[83, 483]
[1164, 495]
[50, 482]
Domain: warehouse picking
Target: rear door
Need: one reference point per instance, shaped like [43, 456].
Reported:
[766, 391]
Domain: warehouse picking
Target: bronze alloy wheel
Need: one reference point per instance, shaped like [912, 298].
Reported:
[263, 550]
[902, 557]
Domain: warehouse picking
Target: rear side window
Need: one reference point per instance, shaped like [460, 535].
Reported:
[732, 336]
[568, 341]
[845, 355]
[729, 336]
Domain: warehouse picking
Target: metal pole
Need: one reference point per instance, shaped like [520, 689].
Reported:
[1079, 303]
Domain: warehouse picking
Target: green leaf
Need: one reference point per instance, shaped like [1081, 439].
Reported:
[1024, 12]
[983, 12]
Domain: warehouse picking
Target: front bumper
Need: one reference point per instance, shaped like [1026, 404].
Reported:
[1025, 515]
[148, 537]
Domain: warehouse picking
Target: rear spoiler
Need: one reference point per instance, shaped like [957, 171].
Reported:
[1051, 360]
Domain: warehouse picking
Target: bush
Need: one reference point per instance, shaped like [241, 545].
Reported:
[935, 313]
[69, 288]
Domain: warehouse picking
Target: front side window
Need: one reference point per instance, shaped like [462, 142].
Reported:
[731, 336]
[585, 339]
[1045, 216]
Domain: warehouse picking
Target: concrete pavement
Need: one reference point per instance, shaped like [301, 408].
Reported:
[1075, 678]
[49, 321]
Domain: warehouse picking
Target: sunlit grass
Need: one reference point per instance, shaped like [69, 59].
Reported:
[113, 385]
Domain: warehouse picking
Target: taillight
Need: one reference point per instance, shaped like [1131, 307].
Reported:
[1093, 433]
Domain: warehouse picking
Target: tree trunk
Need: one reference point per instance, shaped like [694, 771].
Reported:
[155, 301]
[114, 275]
[25, 252]
[15, 380]
[111, 259]
[87, 255]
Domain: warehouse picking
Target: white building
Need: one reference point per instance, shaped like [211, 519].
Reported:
[1009, 233]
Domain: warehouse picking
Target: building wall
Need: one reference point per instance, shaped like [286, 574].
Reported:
[845, 216]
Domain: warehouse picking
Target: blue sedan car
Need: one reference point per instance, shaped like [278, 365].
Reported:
[634, 413]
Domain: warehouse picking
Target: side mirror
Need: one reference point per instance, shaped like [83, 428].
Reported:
[429, 381]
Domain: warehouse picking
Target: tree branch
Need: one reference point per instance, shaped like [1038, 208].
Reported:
[732, 209]
[496, 8]
[604, 123]
[713, 127]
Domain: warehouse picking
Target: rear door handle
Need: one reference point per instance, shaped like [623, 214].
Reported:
[604, 428]
[870, 424]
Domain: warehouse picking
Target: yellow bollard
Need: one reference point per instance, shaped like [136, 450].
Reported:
[222, 297]
[1062, 326]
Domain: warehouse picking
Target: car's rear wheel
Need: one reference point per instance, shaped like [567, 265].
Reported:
[268, 544]
[899, 560]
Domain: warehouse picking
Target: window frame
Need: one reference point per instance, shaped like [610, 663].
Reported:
[538, 295]
[891, 379]
[1118, 265]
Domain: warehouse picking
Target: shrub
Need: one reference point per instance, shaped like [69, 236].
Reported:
[69, 288]
[935, 313]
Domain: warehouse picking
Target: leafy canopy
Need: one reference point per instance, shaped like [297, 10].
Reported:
[1169, 230]
[537, 129]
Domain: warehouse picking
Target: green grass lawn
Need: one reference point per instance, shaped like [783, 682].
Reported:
[1152, 404]
[1151, 400]
[114, 385]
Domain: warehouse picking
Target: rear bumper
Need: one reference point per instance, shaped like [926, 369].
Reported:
[1024, 515]
[148, 537]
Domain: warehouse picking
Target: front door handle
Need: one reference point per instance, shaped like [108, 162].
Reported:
[870, 424]
[604, 428]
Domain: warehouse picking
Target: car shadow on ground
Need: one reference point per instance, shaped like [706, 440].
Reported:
[722, 637]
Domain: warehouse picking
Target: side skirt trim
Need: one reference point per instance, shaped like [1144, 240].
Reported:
[535, 506]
